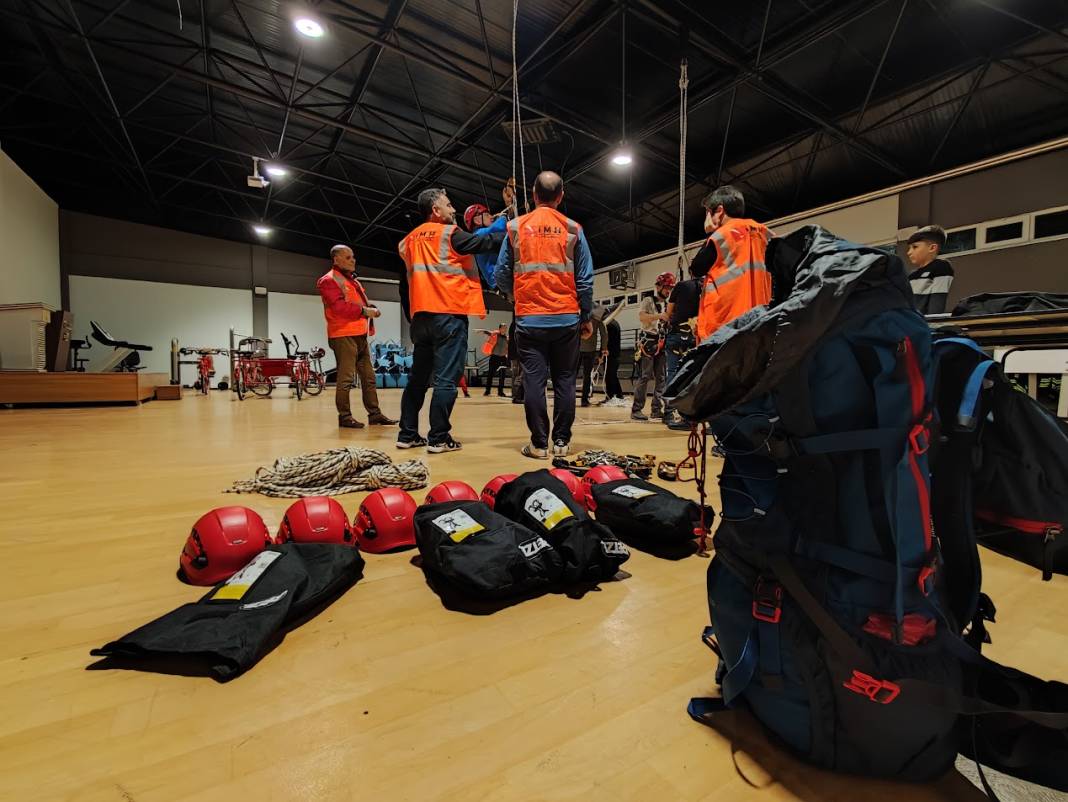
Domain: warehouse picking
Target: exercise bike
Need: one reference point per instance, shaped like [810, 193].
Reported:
[126, 358]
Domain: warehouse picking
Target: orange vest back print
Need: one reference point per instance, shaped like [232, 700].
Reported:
[543, 248]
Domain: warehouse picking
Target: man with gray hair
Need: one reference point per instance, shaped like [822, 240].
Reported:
[349, 319]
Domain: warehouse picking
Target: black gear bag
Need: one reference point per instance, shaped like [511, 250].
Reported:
[641, 512]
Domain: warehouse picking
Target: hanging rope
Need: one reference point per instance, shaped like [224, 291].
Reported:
[684, 83]
[333, 472]
[517, 114]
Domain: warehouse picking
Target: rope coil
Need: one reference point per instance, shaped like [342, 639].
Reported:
[333, 473]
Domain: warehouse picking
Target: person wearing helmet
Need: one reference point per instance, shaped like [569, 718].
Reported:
[478, 220]
[652, 314]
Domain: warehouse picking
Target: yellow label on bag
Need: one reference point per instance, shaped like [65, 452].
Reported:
[238, 585]
[457, 525]
[547, 508]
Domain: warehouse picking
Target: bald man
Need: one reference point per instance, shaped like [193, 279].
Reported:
[545, 267]
[349, 319]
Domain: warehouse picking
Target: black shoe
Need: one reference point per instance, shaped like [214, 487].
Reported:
[418, 442]
[381, 420]
[349, 423]
[517, 400]
[585, 402]
[445, 445]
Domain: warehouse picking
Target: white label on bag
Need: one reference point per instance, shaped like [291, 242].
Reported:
[265, 602]
[532, 547]
[457, 524]
[630, 491]
[546, 508]
[614, 548]
[238, 585]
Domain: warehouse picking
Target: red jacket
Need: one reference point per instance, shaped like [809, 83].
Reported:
[344, 300]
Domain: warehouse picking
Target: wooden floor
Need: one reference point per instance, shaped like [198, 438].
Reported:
[386, 695]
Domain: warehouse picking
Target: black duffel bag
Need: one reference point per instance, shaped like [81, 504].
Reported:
[542, 503]
[639, 511]
[481, 553]
[233, 625]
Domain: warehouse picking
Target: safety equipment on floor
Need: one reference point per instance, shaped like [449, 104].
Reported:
[230, 628]
[333, 473]
[384, 521]
[452, 490]
[645, 514]
[594, 476]
[220, 543]
[471, 212]
[474, 550]
[835, 610]
[440, 280]
[667, 470]
[542, 503]
[572, 483]
[493, 486]
[666, 279]
[316, 519]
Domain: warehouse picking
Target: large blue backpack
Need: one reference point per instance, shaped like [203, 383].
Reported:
[828, 598]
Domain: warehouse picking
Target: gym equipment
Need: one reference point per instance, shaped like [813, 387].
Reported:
[452, 490]
[493, 486]
[205, 365]
[313, 380]
[315, 519]
[77, 363]
[220, 543]
[385, 521]
[332, 473]
[572, 483]
[126, 358]
[596, 475]
[232, 626]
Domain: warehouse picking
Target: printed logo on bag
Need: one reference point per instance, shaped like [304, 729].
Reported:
[547, 508]
[264, 602]
[457, 525]
[630, 491]
[238, 585]
[532, 547]
[614, 548]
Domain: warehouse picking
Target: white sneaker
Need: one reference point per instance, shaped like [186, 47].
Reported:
[561, 449]
[532, 451]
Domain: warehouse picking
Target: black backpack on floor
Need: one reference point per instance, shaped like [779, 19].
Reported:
[542, 503]
[481, 553]
[639, 511]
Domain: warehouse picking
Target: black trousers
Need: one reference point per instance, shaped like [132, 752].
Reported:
[550, 351]
[612, 387]
[498, 365]
[587, 359]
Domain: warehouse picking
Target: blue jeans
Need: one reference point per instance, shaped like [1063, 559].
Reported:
[545, 351]
[671, 344]
[439, 351]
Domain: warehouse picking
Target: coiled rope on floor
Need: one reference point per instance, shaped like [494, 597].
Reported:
[333, 472]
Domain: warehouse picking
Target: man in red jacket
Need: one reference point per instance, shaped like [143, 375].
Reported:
[349, 319]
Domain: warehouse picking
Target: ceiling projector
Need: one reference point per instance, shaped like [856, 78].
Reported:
[256, 180]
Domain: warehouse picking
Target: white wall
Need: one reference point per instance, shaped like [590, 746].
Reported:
[151, 313]
[871, 223]
[29, 240]
[303, 315]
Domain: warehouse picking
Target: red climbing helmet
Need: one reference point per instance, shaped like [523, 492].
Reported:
[493, 487]
[471, 212]
[220, 544]
[385, 521]
[573, 483]
[595, 476]
[315, 519]
[667, 278]
[452, 490]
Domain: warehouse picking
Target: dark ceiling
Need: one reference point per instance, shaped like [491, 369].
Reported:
[152, 110]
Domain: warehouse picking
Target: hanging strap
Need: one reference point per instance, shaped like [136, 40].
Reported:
[958, 341]
[970, 400]
[854, 440]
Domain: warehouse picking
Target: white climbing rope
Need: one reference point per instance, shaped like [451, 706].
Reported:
[333, 472]
[517, 115]
[684, 83]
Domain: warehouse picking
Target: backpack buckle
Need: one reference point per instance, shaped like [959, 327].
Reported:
[880, 691]
[767, 601]
[919, 438]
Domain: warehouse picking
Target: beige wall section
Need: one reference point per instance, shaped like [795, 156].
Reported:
[29, 234]
[870, 223]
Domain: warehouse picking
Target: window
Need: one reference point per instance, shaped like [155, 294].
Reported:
[1051, 224]
[647, 294]
[1004, 232]
[617, 300]
[632, 299]
[961, 240]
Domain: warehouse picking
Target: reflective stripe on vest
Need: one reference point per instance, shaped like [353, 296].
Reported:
[739, 280]
[341, 326]
[543, 248]
[440, 280]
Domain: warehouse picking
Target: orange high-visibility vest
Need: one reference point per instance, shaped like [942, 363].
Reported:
[543, 250]
[490, 344]
[440, 279]
[337, 326]
[739, 280]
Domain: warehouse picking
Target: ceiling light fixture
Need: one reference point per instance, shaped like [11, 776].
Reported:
[277, 170]
[622, 157]
[263, 231]
[309, 27]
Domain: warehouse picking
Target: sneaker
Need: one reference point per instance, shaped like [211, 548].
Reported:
[532, 451]
[617, 402]
[418, 442]
[561, 449]
[639, 416]
[445, 445]
[349, 423]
